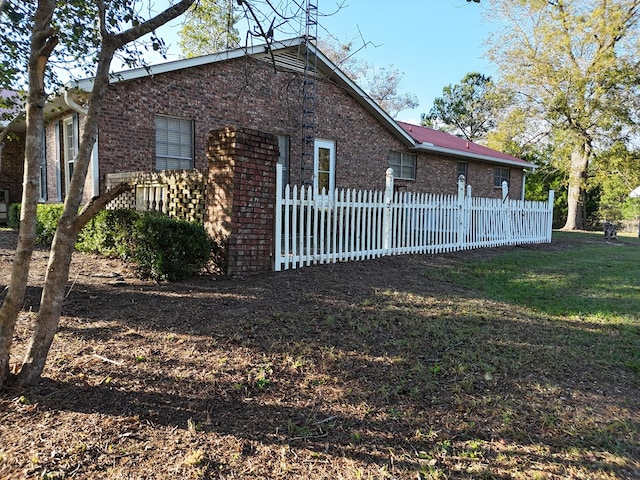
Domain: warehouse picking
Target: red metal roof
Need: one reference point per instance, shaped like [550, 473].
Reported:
[457, 144]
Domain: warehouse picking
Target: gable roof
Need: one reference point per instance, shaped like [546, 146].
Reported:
[287, 55]
[435, 141]
[291, 55]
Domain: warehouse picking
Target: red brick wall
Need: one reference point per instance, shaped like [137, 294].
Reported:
[12, 168]
[248, 93]
[240, 196]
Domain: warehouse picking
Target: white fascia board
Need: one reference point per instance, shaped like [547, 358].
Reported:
[15, 124]
[473, 156]
[86, 84]
[150, 70]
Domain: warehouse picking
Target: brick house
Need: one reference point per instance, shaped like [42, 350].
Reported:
[159, 117]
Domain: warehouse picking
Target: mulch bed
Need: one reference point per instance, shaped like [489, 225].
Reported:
[279, 375]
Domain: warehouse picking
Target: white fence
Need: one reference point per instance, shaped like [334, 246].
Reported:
[358, 225]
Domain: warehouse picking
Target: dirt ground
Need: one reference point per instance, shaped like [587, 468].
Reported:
[279, 375]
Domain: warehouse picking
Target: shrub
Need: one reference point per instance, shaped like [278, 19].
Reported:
[13, 216]
[91, 237]
[109, 233]
[169, 249]
[47, 216]
[163, 248]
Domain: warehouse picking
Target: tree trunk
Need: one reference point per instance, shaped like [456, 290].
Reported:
[50, 305]
[55, 281]
[42, 43]
[55, 284]
[575, 194]
[71, 222]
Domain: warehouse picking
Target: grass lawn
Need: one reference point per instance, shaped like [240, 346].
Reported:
[518, 363]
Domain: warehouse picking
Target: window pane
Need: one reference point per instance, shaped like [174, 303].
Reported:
[174, 143]
[403, 164]
[324, 159]
[323, 181]
[500, 175]
[462, 169]
[283, 158]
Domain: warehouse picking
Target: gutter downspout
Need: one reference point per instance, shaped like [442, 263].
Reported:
[526, 173]
[95, 175]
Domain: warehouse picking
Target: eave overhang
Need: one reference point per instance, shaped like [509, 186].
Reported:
[284, 55]
[428, 147]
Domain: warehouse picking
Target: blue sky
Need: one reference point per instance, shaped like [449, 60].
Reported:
[432, 42]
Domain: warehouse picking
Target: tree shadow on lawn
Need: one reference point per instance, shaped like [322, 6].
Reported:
[395, 362]
[366, 422]
[379, 378]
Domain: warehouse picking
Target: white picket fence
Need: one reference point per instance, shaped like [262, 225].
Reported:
[357, 225]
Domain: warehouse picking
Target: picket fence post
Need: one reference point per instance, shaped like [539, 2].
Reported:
[506, 217]
[460, 211]
[277, 256]
[387, 221]
[550, 215]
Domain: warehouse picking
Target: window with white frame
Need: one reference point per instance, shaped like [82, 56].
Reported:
[462, 169]
[42, 179]
[500, 174]
[324, 167]
[174, 143]
[70, 140]
[403, 164]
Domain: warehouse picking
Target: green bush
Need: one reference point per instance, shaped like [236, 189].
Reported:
[47, 216]
[13, 220]
[163, 248]
[109, 233]
[169, 249]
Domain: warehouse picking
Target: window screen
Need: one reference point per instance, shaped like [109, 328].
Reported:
[174, 143]
[403, 164]
[500, 175]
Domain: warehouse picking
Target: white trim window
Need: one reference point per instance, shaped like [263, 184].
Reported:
[324, 170]
[403, 165]
[174, 143]
[42, 179]
[501, 174]
[70, 140]
[462, 169]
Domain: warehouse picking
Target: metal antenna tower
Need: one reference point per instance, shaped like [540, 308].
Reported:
[309, 92]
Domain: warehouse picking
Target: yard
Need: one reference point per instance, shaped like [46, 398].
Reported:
[512, 362]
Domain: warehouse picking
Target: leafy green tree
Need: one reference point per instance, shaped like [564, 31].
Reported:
[209, 27]
[572, 67]
[467, 109]
[617, 173]
[33, 37]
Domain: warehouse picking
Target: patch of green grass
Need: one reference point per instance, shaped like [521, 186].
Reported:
[597, 281]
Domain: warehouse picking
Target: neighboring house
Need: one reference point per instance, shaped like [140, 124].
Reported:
[158, 118]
